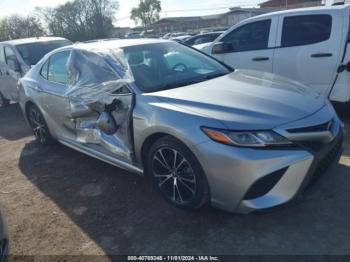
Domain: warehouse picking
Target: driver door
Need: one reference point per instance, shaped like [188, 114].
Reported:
[101, 106]
[251, 45]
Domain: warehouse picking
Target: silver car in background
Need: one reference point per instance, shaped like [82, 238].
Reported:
[17, 57]
[203, 132]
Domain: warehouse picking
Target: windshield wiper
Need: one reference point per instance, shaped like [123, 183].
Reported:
[196, 80]
[212, 76]
[179, 84]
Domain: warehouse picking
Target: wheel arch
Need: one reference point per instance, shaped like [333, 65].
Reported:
[146, 146]
[27, 105]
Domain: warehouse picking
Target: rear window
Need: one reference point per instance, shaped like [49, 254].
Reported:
[306, 30]
[33, 52]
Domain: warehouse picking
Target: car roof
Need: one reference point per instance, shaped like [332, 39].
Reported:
[209, 33]
[214, 32]
[119, 43]
[31, 40]
[302, 10]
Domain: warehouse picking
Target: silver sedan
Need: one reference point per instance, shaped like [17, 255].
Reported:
[203, 132]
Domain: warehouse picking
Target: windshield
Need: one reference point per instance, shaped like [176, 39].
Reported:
[163, 66]
[33, 52]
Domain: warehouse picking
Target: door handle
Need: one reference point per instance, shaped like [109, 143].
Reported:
[318, 55]
[257, 59]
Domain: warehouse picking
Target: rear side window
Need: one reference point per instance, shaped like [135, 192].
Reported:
[306, 30]
[2, 57]
[253, 36]
[57, 68]
[44, 70]
[10, 54]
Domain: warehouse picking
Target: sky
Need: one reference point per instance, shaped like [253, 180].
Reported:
[170, 7]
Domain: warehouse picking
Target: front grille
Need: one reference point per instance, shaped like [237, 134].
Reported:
[318, 128]
[314, 145]
[326, 161]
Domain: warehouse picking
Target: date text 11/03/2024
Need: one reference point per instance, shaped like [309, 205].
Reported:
[173, 258]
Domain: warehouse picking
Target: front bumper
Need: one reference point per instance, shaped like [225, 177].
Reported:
[233, 173]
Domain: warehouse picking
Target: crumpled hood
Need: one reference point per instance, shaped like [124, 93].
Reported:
[246, 100]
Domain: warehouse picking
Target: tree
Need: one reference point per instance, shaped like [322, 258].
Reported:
[17, 26]
[81, 20]
[147, 12]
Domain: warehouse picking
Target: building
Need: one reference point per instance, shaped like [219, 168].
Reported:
[290, 4]
[120, 32]
[198, 23]
[237, 14]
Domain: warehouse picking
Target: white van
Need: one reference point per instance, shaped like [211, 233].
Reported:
[309, 45]
[17, 57]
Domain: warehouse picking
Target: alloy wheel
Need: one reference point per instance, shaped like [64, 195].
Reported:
[38, 125]
[174, 175]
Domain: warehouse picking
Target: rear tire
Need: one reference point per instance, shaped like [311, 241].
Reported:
[39, 126]
[3, 101]
[177, 174]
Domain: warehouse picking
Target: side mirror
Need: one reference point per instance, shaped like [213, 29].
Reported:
[14, 65]
[348, 67]
[222, 48]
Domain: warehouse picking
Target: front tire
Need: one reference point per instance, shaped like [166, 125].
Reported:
[39, 126]
[177, 174]
[3, 101]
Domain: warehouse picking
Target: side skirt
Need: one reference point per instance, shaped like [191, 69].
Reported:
[103, 157]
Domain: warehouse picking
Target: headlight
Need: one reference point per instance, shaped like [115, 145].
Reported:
[246, 138]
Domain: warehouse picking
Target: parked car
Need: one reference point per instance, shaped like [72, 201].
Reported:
[180, 39]
[203, 132]
[17, 57]
[133, 35]
[4, 241]
[149, 34]
[203, 38]
[101, 40]
[309, 45]
[202, 47]
[172, 35]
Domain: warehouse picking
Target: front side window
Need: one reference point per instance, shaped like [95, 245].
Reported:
[252, 36]
[163, 66]
[306, 30]
[57, 68]
[90, 69]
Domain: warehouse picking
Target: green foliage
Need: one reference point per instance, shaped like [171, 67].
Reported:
[81, 20]
[15, 26]
[147, 12]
